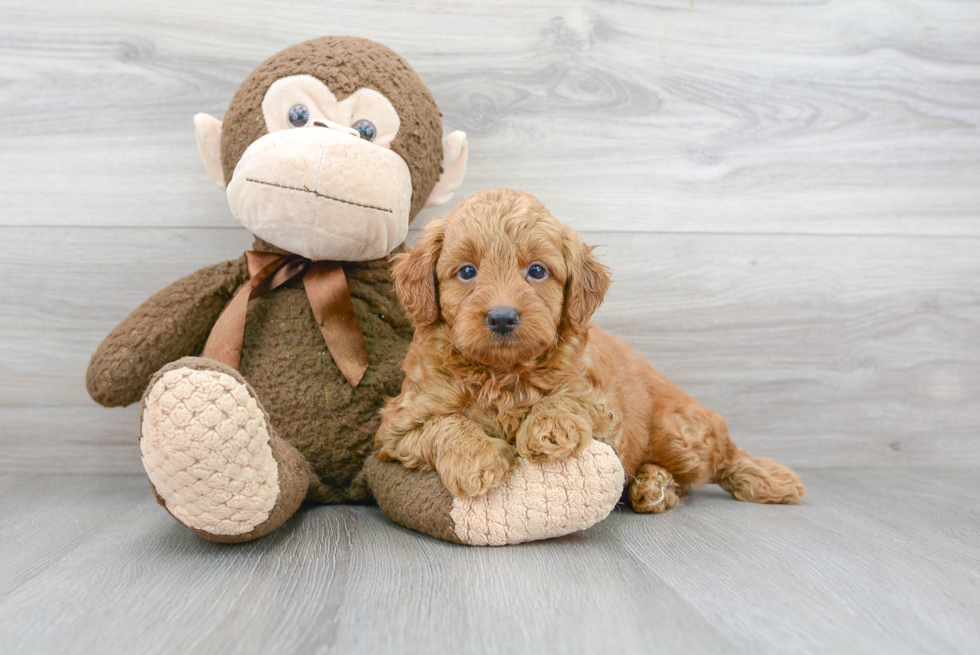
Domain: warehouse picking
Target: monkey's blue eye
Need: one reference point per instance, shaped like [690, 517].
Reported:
[537, 271]
[467, 272]
[366, 128]
[299, 116]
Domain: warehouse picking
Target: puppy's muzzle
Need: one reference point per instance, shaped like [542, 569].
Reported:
[503, 320]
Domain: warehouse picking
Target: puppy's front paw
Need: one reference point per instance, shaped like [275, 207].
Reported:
[550, 436]
[475, 466]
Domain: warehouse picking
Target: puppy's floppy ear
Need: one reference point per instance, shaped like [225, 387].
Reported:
[587, 282]
[415, 276]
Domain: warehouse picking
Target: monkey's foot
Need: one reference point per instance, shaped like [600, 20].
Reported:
[538, 500]
[654, 490]
[212, 456]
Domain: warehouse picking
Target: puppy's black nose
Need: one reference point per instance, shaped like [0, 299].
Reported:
[503, 320]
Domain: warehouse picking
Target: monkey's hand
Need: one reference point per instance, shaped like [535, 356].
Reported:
[555, 428]
[173, 323]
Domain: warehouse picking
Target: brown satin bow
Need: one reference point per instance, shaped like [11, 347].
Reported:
[326, 288]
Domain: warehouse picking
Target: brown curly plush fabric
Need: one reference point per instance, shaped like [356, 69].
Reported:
[285, 361]
[313, 408]
[284, 358]
[415, 499]
[346, 64]
[172, 323]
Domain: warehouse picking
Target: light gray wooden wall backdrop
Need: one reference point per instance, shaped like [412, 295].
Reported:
[789, 194]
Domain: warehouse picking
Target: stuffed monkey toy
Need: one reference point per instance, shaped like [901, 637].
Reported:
[262, 377]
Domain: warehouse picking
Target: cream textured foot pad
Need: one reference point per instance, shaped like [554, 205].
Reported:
[540, 501]
[205, 445]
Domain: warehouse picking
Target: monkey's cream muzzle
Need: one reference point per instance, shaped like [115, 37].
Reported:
[323, 193]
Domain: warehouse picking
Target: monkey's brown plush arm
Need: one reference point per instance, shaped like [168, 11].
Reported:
[173, 323]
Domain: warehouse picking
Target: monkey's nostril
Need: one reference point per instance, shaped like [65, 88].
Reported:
[503, 320]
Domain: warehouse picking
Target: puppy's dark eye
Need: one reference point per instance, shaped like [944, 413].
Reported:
[537, 272]
[366, 128]
[299, 115]
[467, 272]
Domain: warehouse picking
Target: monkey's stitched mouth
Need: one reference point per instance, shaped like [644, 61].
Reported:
[320, 195]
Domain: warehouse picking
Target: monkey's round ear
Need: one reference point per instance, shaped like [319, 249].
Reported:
[208, 131]
[454, 152]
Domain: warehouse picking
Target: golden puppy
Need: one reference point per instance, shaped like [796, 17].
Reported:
[505, 362]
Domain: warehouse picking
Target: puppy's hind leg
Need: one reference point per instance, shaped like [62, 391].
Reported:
[654, 490]
[692, 443]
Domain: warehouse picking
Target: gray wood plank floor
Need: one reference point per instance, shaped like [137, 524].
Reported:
[874, 561]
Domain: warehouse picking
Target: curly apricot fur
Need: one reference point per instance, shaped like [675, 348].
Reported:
[551, 384]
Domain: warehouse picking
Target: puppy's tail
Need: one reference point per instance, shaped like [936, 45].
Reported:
[760, 480]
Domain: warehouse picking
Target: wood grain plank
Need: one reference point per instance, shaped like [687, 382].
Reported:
[825, 351]
[53, 516]
[735, 116]
[819, 350]
[72, 439]
[851, 580]
[841, 573]
[335, 580]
